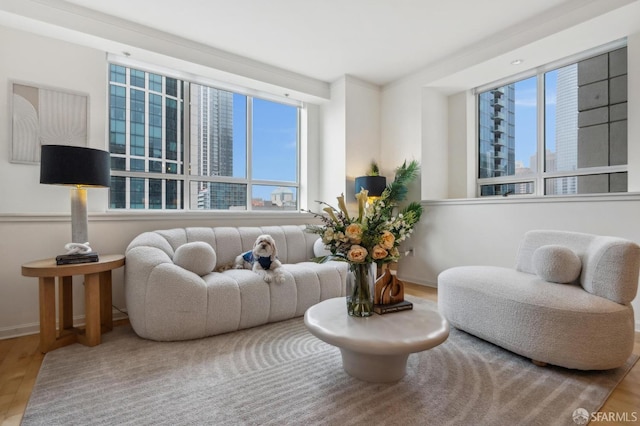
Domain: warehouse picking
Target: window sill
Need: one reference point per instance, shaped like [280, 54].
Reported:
[524, 199]
[162, 215]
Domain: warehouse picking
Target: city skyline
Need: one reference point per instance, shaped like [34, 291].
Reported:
[223, 136]
[584, 122]
[147, 134]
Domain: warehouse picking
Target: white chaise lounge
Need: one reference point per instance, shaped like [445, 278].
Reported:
[566, 303]
[172, 292]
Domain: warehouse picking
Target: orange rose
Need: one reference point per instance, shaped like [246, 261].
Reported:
[379, 252]
[354, 232]
[357, 254]
[387, 240]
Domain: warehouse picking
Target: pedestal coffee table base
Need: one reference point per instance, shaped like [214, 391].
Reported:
[374, 368]
[376, 348]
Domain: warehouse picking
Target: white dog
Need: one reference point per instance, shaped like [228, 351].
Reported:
[263, 260]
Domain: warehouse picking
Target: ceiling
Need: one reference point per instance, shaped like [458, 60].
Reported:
[378, 41]
[299, 47]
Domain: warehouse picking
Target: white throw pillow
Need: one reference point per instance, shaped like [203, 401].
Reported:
[319, 250]
[557, 264]
[197, 257]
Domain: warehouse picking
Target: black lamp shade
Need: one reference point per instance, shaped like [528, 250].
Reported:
[74, 165]
[374, 184]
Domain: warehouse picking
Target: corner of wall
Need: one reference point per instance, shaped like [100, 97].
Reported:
[633, 111]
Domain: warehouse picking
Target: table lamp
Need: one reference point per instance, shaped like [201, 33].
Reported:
[374, 184]
[79, 168]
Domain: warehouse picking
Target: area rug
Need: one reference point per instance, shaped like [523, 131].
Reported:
[279, 374]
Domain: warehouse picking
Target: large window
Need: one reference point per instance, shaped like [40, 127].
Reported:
[559, 131]
[177, 144]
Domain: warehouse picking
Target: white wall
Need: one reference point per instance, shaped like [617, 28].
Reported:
[400, 125]
[333, 150]
[363, 131]
[435, 141]
[633, 109]
[350, 137]
[33, 59]
[461, 149]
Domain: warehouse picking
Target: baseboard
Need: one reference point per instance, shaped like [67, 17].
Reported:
[416, 280]
[21, 330]
[34, 328]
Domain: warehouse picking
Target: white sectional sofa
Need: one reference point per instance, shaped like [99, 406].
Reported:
[168, 300]
[566, 303]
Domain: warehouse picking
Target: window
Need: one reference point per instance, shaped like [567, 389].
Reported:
[182, 145]
[559, 131]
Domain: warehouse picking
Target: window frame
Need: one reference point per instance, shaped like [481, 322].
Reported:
[541, 175]
[185, 178]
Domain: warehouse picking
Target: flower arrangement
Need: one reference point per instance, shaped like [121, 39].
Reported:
[374, 234]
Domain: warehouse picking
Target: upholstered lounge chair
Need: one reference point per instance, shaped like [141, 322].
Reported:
[566, 303]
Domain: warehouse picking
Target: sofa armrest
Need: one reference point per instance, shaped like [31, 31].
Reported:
[609, 264]
[141, 261]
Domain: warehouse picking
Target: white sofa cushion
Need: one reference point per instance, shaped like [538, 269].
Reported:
[197, 257]
[556, 263]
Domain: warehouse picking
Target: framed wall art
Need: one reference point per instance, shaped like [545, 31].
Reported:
[46, 116]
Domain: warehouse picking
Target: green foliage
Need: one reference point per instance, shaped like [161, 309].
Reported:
[397, 190]
[374, 170]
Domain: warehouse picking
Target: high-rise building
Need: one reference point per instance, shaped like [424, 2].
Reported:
[566, 129]
[149, 135]
[497, 136]
[212, 149]
[588, 131]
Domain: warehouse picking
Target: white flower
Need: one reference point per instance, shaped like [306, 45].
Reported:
[328, 236]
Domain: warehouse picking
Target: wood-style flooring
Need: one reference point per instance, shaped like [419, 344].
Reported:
[20, 362]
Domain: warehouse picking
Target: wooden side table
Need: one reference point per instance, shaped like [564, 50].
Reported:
[97, 296]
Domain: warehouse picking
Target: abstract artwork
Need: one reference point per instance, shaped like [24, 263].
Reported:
[45, 116]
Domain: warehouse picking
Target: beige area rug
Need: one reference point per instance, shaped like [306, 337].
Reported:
[280, 374]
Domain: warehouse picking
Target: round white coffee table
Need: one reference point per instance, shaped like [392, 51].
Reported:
[376, 348]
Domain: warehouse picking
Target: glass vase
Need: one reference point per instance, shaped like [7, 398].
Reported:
[360, 284]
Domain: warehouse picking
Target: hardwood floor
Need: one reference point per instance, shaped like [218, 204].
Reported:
[20, 362]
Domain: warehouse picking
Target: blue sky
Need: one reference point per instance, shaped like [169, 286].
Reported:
[274, 141]
[525, 116]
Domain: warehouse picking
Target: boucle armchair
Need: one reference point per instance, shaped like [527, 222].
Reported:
[174, 289]
[566, 303]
